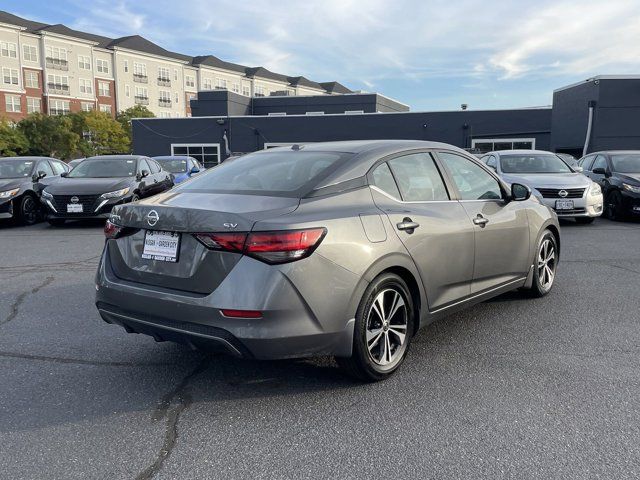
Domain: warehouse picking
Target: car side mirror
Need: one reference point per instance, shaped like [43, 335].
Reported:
[64, 174]
[144, 173]
[599, 171]
[38, 176]
[519, 192]
[578, 168]
[195, 170]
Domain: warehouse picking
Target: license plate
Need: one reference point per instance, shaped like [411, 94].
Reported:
[564, 204]
[74, 208]
[162, 246]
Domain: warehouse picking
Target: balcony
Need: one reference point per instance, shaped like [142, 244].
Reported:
[140, 78]
[218, 87]
[164, 102]
[57, 63]
[164, 81]
[140, 100]
[60, 111]
[58, 88]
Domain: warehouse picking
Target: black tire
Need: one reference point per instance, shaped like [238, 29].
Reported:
[135, 198]
[585, 220]
[363, 363]
[27, 209]
[56, 222]
[613, 206]
[540, 287]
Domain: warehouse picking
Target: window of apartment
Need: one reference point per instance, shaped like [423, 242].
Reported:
[127, 91]
[9, 50]
[31, 79]
[290, 92]
[56, 57]
[189, 81]
[259, 91]
[105, 108]
[29, 53]
[103, 89]
[246, 91]
[236, 87]
[164, 75]
[102, 66]
[86, 86]
[221, 84]
[84, 62]
[139, 69]
[59, 107]
[175, 74]
[58, 83]
[33, 105]
[126, 66]
[164, 98]
[165, 114]
[177, 98]
[10, 76]
[206, 84]
[141, 96]
[12, 103]
[86, 106]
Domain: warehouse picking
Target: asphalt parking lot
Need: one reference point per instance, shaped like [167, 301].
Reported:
[514, 387]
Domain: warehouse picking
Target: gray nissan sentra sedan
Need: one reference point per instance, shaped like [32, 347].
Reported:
[343, 249]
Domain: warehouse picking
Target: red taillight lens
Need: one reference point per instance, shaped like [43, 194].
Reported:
[270, 247]
[111, 230]
[241, 313]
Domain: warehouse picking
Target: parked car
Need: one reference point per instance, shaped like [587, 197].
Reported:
[568, 159]
[559, 186]
[181, 167]
[344, 249]
[73, 163]
[21, 182]
[618, 174]
[97, 184]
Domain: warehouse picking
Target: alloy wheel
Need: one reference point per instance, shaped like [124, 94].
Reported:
[29, 210]
[386, 328]
[546, 264]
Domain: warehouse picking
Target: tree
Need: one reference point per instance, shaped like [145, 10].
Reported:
[99, 134]
[49, 136]
[12, 140]
[137, 111]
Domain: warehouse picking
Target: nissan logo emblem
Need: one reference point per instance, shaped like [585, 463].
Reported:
[152, 218]
[75, 199]
[563, 193]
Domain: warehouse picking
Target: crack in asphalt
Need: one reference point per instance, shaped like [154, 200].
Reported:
[163, 409]
[87, 263]
[15, 306]
[79, 361]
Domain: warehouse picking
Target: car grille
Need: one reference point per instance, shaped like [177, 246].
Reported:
[554, 192]
[87, 201]
[575, 211]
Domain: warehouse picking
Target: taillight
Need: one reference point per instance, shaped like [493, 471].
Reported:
[270, 247]
[111, 230]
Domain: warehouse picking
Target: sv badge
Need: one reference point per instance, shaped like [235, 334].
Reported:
[230, 225]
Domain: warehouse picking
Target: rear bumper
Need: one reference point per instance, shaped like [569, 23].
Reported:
[289, 327]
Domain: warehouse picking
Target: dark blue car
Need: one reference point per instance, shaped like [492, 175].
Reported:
[181, 167]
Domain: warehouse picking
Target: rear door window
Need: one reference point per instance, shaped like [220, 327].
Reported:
[418, 178]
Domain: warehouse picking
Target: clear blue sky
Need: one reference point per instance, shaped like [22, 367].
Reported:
[432, 55]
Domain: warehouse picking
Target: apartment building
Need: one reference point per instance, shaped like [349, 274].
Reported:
[56, 70]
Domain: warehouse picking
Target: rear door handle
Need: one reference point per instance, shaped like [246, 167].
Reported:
[480, 220]
[408, 225]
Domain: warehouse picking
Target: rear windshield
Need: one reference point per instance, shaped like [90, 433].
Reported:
[626, 163]
[104, 168]
[279, 173]
[173, 165]
[533, 163]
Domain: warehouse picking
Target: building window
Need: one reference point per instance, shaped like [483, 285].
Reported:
[59, 107]
[86, 106]
[102, 66]
[103, 89]
[29, 53]
[126, 66]
[142, 96]
[207, 154]
[259, 91]
[12, 103]
[175, 74]
[10, 76]
[206, 84]
[9, 49]
[484, 145]
[164, 98]
[165, 114]
[31, 79]
[86, 86]
[140, 72]
[236, 87]
[58, 84]
[105, 108]
[127, 91]
[290, 92]
[177, 97]
[84, 62]
[33, 105]
[56, 58]
[221, 84]
[246, 91]
[189, 81]
[164, 77]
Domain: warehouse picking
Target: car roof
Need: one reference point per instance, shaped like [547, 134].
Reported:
[609, 152]
[114, 157]
[521, 151]
[170, 157]
[29, 158]
[360, 146]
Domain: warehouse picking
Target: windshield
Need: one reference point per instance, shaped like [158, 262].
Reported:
[274, 173]
[104, 168]
[15, 168]
[173, 165]
[533, 163]
[627, 163]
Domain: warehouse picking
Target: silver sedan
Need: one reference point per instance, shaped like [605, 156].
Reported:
[343, 249]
